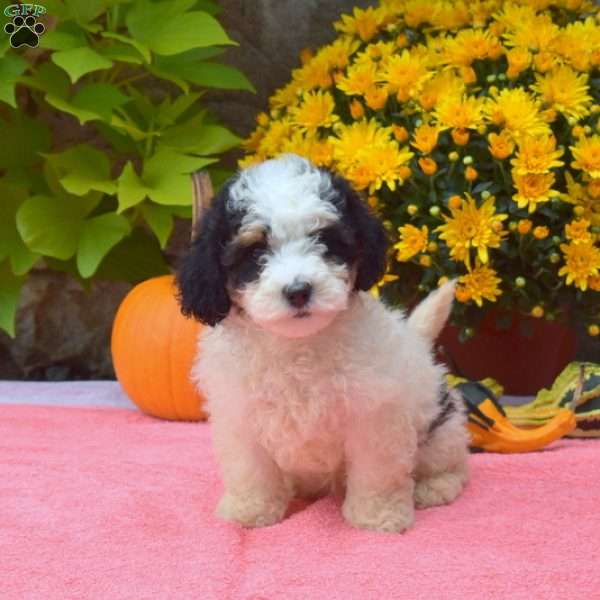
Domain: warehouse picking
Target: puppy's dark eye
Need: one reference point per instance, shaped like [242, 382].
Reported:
[339, 243]
[244, 263]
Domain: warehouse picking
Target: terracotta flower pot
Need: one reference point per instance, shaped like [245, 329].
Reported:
[522, 363]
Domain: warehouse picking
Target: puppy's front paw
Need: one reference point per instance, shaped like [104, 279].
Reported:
[252, 510]
[391, 513]
[438, 489]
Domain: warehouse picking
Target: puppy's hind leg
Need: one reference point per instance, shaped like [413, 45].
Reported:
[442, 457]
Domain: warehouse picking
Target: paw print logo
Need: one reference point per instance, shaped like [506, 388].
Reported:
[24, 31]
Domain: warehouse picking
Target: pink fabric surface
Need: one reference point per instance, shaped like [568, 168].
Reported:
[109, 504]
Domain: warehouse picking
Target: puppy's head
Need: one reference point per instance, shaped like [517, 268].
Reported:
[288, 243]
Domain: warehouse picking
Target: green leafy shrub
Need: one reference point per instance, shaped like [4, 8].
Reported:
[101, 127]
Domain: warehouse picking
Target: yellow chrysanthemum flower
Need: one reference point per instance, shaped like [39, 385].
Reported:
[360, 135]
[425, 138]
[578, 232]
[275, 137]
[285, 96]
[319, 151]
[315, 74]
[513, 15]
[537, 154]
[482, 283]
[579, 196]
[378, 164]
[517, 112]
[363, 24]
[582, 262]
[533, 189]
[518, 60]
[359, 79]
[416, 12]
[376, 97]
[413, 241]
[337, 54]
[587, 155]
[501, 145]
[460, 112]
[317, 110]
[577, 42]
[535, 33]
[405, 74]
[470, 226]
[443, 83]
[451, 15]
[565, 91]
[374, 53]
[468, 45]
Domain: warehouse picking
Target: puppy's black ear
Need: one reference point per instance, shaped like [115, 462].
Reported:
[202, 279]
[372, 239]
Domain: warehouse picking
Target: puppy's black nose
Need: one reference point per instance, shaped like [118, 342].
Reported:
[298, 294]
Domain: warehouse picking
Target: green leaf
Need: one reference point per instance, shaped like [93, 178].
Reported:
[207, 6]
[66, 36]
[4, 45]
[131, 189]
[83, 168]
[23, 139]
[205, 74]
[159, 219]
[199, 139]
[11, 244]
[135, 258]
[50, 225]
[11, 198]
[120, 142]
[167, 176]
[22, 259]
[129, 127]
[122, 53]
[10, 290]
[166, 30]
[99, 98]
[98, 236]
[50, 79]
[167, 75]
[11, 66]
[92, 102]
[77, 62]
[169, 112]
[141, 48]
[84, 11]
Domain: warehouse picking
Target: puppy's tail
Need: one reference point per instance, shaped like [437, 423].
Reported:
[428, 317]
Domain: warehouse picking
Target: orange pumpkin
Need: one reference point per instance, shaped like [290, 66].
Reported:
[153, 346]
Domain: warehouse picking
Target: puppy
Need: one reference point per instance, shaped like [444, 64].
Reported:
[312, 384]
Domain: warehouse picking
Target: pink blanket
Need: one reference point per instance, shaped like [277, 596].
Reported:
[108, 504]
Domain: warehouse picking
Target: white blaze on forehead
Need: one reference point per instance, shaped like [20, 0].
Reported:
[288, 194]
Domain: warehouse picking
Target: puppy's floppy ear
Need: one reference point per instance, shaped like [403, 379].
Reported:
[202, 279]
[370, 234]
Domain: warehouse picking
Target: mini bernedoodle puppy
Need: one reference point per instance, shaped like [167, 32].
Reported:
[312, 384]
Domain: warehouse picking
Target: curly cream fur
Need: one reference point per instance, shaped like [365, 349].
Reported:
[347, 408]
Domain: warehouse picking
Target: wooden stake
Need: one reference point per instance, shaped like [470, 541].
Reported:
[203, 195]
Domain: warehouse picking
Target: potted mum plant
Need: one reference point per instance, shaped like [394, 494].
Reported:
[473, 130]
